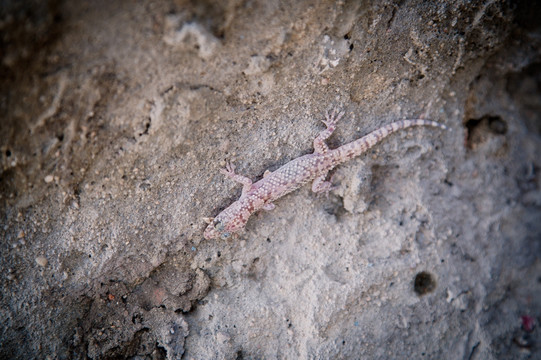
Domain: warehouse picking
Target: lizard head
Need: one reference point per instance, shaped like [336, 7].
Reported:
[216, 229]
[226, 223]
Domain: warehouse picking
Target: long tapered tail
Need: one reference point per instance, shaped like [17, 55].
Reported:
[359, 146]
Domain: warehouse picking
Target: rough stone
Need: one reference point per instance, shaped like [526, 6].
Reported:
[116, 117]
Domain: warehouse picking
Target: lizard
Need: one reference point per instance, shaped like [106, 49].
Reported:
[296, 173]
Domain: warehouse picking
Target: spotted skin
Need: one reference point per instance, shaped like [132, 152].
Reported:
[296, 173]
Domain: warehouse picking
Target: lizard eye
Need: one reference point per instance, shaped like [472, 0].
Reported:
[225, 236]
[218, 225]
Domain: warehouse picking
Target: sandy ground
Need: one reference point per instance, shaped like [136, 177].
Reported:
[116, 117]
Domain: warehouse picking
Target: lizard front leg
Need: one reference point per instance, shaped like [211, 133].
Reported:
[229, 171]
[331, 119]
[268, 207]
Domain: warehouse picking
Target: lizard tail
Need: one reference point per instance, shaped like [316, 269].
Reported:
[359, 146]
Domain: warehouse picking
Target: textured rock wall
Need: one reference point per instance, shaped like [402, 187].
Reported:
[117, 116]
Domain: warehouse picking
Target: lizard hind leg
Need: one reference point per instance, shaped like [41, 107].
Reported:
[320, 185]
[331, 119]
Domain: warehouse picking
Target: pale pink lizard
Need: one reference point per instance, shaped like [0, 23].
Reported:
[294, 174]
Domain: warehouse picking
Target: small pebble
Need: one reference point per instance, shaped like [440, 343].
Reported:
[48, 178]
[41, 261]
[222, 337]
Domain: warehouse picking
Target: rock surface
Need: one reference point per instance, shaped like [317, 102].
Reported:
[116, 117]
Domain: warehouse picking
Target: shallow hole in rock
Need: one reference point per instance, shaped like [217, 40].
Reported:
[477, 129]
[424, 283]
[497, 125]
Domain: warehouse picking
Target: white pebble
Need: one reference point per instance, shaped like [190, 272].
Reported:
[41, 261]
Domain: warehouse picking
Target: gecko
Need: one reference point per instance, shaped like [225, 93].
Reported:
[296, 173]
